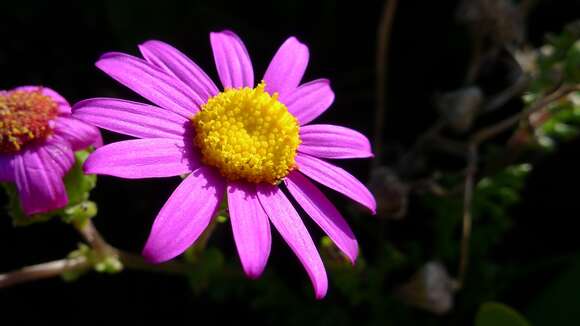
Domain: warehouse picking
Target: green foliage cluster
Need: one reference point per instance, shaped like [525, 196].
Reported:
[558, 63]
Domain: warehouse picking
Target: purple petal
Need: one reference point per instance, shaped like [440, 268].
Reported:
[98, 141]
[185, 215]
[150, 82]
[337, 179]
[131, 118]
[334, 142]
[323, 213]
[177, 64]
[143, 158]
[232, 60]
[309, 100]
[292, 229]
[6, 168]
[58, 151]
[79, 134]
[250, 226]
[287, 67]
[63, 105]
[40, 186]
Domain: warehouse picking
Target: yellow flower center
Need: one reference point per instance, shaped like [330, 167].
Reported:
[24, 117]
[247, 134]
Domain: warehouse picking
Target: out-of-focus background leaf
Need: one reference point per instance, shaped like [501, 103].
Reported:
[497, 314]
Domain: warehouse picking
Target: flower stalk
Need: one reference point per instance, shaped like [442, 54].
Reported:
[81, 263]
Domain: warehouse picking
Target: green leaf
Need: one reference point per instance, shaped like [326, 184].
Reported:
[572, 63]
[558, 304]
[498, 314]
[493, 196]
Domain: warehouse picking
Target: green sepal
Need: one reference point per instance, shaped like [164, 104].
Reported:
[109, 264]
[79, 213]
[83, 251]
[79, 185]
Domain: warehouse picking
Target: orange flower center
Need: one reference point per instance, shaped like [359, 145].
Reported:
[24, 117]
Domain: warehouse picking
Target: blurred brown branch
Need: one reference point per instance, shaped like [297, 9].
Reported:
[382, 56]
[503, 125]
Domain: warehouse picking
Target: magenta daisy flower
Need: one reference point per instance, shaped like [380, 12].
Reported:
[245, 141]
[38, 137]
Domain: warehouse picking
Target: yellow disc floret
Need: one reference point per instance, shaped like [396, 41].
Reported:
[247, 134]
[25, 117]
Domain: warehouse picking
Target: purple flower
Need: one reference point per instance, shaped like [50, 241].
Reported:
[244, 141]
[38, 137]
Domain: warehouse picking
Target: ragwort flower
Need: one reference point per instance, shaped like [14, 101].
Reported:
[38, 137]
[245, 141]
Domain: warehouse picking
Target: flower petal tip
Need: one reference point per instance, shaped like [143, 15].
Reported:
[99, 141]
[106, 56]
[320, 293]
[146, 45]
[254, 274]
[151, 42]
[224, 31]
[295, 39]
[150, 256]
[79, 105]
[87, 169]
[353, 255]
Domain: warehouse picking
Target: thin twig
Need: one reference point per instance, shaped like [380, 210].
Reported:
[507, 94]
[467, 217]
[129, 260]
[137, 262]
[383, 40]
[43, 271]
[449, 146]
[59, 267]
[474, 64]
[419, 144]
[471, 170]
[526, 6]
[504, 125]
[90, 233]
[103, 249]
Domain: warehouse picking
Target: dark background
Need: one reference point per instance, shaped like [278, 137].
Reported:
[56, 44]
